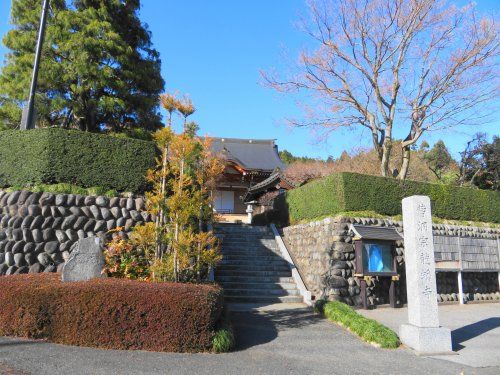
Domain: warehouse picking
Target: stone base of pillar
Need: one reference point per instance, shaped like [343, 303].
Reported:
[426, 340]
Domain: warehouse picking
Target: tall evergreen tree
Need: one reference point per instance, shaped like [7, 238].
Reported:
[99, 70]
[438, 159]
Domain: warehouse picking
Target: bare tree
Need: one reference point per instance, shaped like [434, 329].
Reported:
[414, 65]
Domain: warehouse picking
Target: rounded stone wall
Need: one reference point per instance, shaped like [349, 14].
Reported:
[37, 230]
[323, 252]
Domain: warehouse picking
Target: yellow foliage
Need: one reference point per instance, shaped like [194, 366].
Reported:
[174, 247]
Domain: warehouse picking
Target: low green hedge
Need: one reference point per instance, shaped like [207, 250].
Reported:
[64, 188]
[367, 329]
[111, 313]
[342, 192]
[52, 156]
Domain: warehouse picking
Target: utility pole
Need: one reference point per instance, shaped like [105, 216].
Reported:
[28, 118]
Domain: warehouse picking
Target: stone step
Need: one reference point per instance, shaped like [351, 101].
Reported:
[253, 262]
[250, 268]
[254, 279]
[264, 299]
[240, 226]
[255, 248]
[261, 257]
[259, 286]
[246, 273]
[239, 231]
[247, 240]
[246, 235]
[260, 292]
[255, 242]
[249, 246]
[252, 256]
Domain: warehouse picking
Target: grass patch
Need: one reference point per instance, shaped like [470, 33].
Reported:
[223, 341]
[368, 330]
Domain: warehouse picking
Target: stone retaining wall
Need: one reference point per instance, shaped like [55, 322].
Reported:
[324, 254]
[37, 230]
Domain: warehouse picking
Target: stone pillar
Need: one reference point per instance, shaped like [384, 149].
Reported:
[423, 332]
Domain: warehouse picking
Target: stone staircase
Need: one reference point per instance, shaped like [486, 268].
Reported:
[252, 270]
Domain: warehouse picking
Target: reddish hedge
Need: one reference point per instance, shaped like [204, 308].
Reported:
[110, 313]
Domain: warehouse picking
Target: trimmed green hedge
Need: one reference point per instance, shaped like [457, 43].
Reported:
[67, 156]
[367, 329]
[342, 192]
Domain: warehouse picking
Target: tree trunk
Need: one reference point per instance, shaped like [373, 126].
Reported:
[386, 155]
[177, 227]
[160, 219]
[176, 247]
[405, 163]
[198, 257]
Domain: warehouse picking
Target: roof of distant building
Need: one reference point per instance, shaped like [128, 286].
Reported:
[277, 180]
[249, 154]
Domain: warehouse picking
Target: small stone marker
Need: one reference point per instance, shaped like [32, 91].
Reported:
[85, 262]
[423, 332]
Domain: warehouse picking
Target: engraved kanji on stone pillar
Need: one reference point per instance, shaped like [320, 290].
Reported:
[423, 332]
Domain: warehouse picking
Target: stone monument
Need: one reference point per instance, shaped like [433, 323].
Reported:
[86, 261]
[422, 332]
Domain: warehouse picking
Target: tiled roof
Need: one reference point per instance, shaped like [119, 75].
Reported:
[268, 184]
[376, 233]
[250, 154]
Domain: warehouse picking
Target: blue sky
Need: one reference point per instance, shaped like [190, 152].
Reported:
[214, 51]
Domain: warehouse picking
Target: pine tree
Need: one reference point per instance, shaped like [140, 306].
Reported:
[99, 70]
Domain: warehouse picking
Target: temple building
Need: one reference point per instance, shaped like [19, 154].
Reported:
[249, 162]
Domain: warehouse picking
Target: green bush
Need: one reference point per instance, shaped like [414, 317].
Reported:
[367, 329]
[52, 156]
[342, 192]
[223, 341]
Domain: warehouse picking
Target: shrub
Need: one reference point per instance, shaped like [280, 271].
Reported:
[110, 313]
[343, 192]
[67, 156]
[319, 306]
[223, 341]
[367, 329]
[132, 258]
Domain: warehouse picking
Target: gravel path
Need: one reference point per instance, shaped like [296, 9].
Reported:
[293, 341]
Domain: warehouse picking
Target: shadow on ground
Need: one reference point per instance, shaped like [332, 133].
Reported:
[465, 333]
[253, 328]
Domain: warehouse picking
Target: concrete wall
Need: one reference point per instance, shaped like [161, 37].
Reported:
[324, 254]
[37, 230]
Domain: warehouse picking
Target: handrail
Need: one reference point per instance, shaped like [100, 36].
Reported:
[306, 294]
